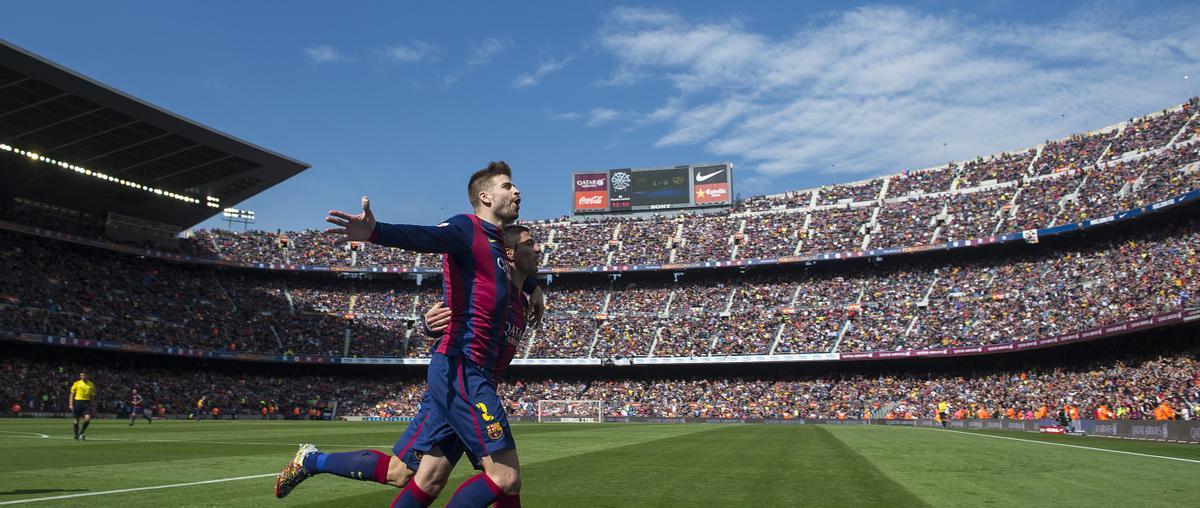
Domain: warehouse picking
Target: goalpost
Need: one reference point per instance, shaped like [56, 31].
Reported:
[570, 411]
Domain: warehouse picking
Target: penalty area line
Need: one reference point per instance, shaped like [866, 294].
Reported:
[1122, 452]
[135, 489]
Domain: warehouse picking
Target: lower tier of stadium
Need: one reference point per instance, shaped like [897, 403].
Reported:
[1130, 377]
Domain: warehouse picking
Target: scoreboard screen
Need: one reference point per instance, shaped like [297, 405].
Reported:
[660, 187]
[625, 190]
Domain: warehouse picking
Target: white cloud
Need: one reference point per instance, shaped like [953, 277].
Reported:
[879, 89]
[600, 116]
[483, 51]
[701, 123]
[479, 55]
[546, 66]
[324, 54]
[413, 52]
[566, 116]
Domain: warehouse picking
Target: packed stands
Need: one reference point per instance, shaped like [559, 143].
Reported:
[1130, 385]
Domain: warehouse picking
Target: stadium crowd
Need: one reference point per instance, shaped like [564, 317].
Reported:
[1134, 386]
[1082, 176]
[61, 289]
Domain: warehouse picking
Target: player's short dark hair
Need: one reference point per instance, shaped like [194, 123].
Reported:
[483, 177]
[512, 234]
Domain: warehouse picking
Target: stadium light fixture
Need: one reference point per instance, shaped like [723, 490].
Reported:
[211, 201]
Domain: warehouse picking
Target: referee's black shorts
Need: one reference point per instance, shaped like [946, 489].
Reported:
[82, 408]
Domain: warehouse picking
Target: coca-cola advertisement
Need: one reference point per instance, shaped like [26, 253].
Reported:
[591, 200]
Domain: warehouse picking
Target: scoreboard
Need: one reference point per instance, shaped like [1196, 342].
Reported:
[627, 189]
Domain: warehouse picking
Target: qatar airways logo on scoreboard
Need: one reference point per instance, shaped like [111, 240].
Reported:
[591, 182]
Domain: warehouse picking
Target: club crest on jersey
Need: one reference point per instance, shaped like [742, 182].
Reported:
[495, 431]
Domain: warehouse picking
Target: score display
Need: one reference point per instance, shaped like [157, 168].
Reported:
[660, 187]
[683, 186]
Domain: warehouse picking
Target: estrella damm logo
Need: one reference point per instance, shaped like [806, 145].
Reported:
[487, 417]
[495, 431]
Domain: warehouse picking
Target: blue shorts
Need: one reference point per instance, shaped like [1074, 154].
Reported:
[82, 407]
[460, 413]
[426, 430]
[137, 410]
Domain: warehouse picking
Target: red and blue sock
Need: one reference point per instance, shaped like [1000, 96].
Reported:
[412, 497]
[366, 465]
[478, 491]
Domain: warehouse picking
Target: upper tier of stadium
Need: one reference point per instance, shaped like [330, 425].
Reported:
[1119, 280]
[1085, 176]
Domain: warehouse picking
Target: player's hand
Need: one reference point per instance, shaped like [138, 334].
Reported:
[537, 307]
[437, 318]
[355, 228]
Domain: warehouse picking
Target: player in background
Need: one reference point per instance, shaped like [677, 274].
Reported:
[477, 288]
[199, 413]
[136, 408]
[943, 412]
[79, 401]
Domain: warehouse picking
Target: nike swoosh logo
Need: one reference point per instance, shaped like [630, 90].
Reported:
[701, 178]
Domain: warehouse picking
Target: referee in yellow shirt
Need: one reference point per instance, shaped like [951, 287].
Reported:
[80, 403]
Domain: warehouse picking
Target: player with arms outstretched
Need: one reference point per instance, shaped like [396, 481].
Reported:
[478, 291]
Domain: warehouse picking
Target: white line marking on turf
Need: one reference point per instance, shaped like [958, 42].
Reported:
[1181, 459]
[36, 435]
[26, 434]
[136, 489]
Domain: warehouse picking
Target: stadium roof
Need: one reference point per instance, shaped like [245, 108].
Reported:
[111, 152]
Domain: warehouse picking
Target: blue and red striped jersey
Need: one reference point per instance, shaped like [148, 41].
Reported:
[514, 328]
[475, 281]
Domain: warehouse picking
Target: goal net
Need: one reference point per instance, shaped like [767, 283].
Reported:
[569, 411]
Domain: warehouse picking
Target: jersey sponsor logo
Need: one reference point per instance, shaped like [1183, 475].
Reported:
[483, 413]
[701, 178]
[513, 333]
[495, 431]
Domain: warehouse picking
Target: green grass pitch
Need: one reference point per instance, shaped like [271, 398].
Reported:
[603, 465]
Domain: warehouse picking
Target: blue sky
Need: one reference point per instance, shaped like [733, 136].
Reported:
[402, 100]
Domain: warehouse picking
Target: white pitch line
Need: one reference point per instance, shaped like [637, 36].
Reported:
[1122, 452]
[26, 434]
[44, 436]
[136, 489]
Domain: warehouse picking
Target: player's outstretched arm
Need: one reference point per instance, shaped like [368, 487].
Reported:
[436, 319]
[454, 235]
[356, 228]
